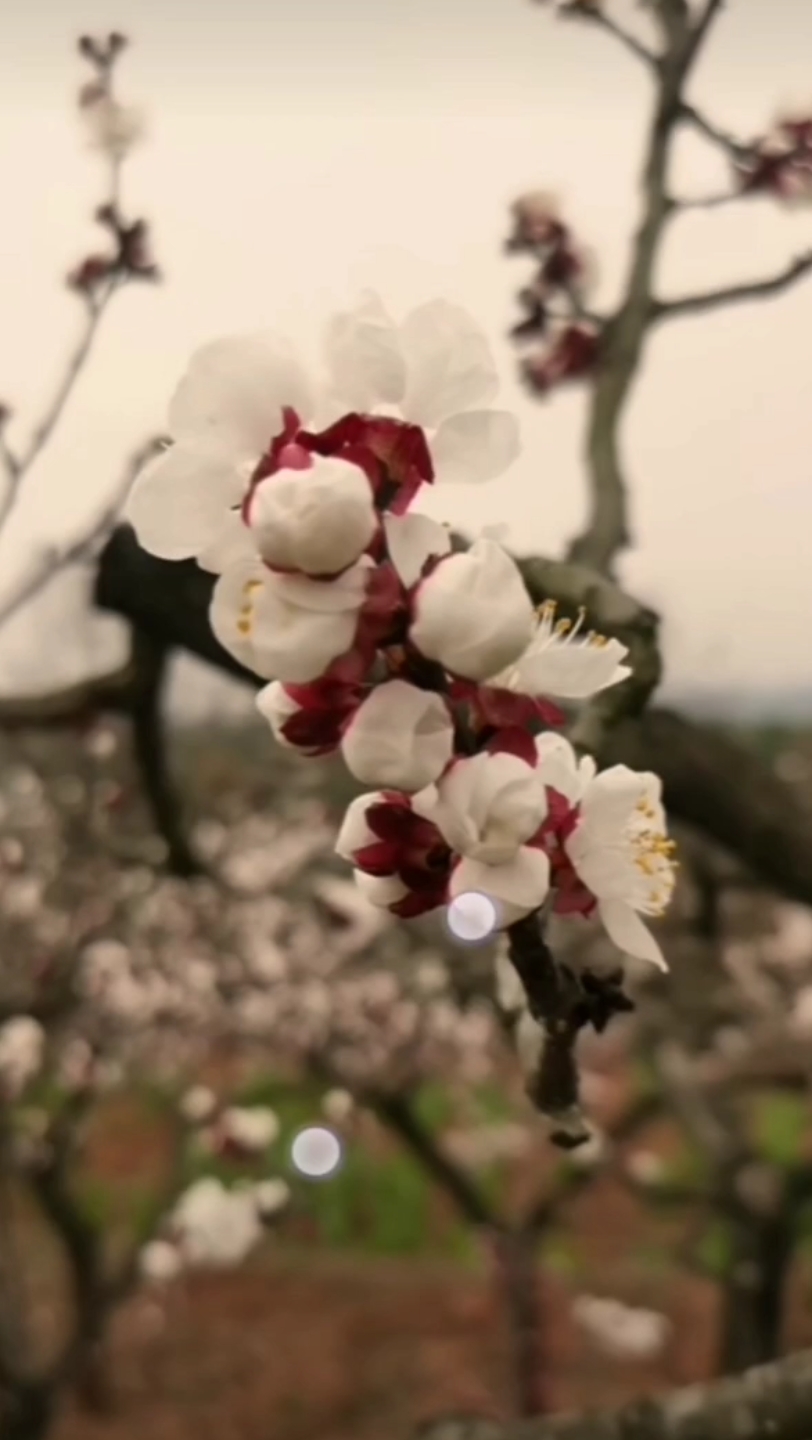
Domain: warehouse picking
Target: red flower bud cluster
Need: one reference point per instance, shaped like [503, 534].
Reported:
[781, 163]
[571, 345]
[129, 258]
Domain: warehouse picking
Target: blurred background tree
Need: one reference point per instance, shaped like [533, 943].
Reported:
[146, 1014]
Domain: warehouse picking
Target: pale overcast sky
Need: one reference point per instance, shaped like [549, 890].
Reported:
[300, 150]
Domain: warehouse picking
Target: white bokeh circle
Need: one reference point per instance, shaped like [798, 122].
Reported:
[472, 917]
[316, 1152]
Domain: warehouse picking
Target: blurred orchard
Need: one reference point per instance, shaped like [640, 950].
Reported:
[285, 1149]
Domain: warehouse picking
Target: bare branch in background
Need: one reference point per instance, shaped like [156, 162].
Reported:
[769, 1402]
[733, 294]
[78, 552]
[113, 129]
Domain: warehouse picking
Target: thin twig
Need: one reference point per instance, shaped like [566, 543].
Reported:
[396, 1112]
[50, 562]
[95, 308]
[733, 294]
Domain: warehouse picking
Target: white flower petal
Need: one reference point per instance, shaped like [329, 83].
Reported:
[254, 617]
[624, 926]
[560, 768]
[355, 833]
[475, 446]
[381, 890]
[181, 501]
[612, 799]
[363, 353]
[345, 592]
[318, 520]
[571, 670]
[472, 614]
[276, 706]
[232, 394]
[490, 804]
[233, 543]
[449, 363]
[412, 540]
[517, 888]
[400, 738]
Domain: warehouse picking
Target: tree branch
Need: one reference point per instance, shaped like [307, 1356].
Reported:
[772, 1402]
[606, 531]
[82, 549]
[399, 1116]
[604, 21]
[95, 306]
[733, 294]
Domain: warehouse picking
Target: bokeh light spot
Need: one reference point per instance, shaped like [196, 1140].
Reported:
[472, 917]
[316, 1152]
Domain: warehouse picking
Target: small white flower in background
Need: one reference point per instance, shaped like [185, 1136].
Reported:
[645, 1167]
[563, 662]
[101, 743]
[160, 1262]
[431, 977]
[400, 737]
[592, 1153]
[537, 215]
[337, 1106]
[435, 370]
[620, 1330]
[76, 1063]
[214, 1226]
[249, 1127]
[22, 896]
[198, 1104]
[111, 127]
[271, 1197]
[472, 613]
[287, 627]
[488, 1144]
[791, 942]
[22, 1049]
[801, 1014]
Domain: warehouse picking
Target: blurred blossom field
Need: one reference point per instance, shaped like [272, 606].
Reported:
[261, 979]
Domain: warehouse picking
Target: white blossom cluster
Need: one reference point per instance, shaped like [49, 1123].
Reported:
[429, 670]
[155, 972]
[138, 975]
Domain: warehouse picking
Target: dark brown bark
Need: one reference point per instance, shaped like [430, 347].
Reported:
[519, 1274]
[754, 1287]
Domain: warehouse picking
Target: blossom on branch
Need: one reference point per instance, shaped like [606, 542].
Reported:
[112, 127]
[401, 858]
[246, 472]
[472, 613]
[491, 809]
[572, 353]
[781, 163]
[608, 845]
[429, 670]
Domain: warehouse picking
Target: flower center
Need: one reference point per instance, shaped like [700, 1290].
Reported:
[653, 856]
[247, 611]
